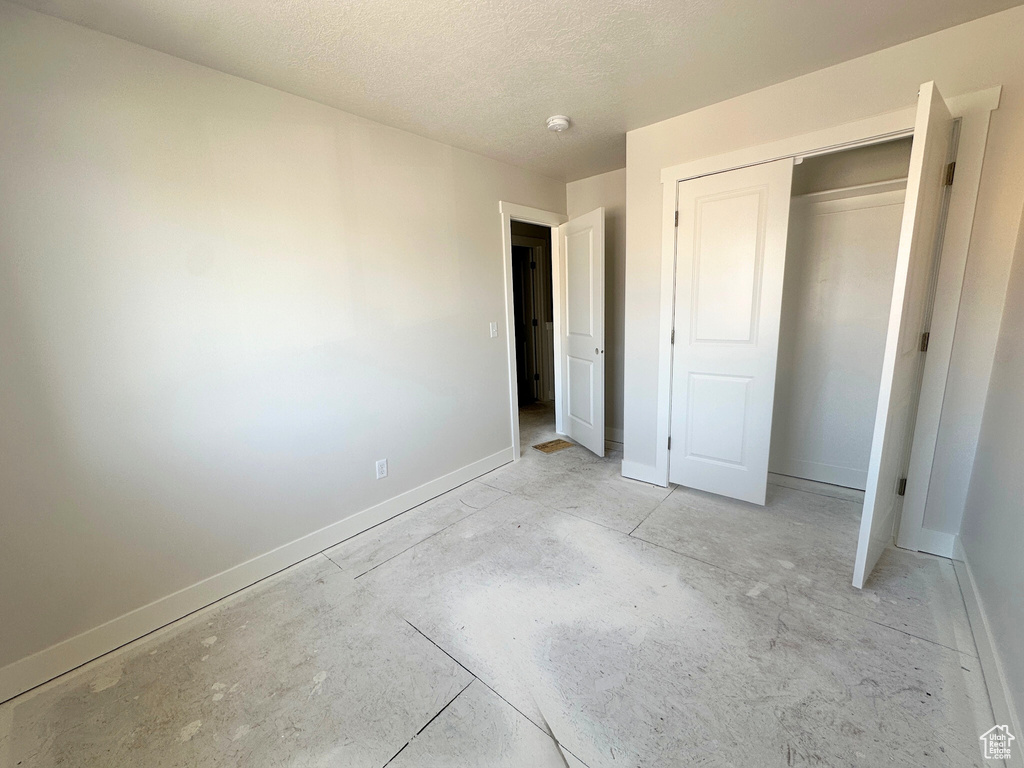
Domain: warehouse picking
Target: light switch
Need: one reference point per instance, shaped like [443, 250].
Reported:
[494, 330]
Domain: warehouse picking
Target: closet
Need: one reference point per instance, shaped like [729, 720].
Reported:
[826, 384]
[844, 230]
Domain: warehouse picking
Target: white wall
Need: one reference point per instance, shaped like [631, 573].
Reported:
[853, 167]
[583, 196]
[970, 57]
[993, 526]
[219, 305]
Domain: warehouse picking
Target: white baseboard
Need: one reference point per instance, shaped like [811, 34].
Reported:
[642, 472]
[935, 542]
[612, 439]
[813, 486]
[1004, 708]
[833, 474]
[34, 670]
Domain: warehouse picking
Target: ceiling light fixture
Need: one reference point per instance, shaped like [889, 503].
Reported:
[558, 123]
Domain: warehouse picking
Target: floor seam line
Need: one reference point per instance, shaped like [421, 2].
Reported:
[432, 719]
[442, 709]
[486, 685]
[331, 560]
[410, 509]
[442, 650]
[587, 520]
[492, 487]
[656, 508]
[881, 624]
[397, 753]
[811, 599]
[413, 546]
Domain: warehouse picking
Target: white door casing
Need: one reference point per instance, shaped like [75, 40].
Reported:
[508, 212]
[730, 262]
[581, 265]
[908, 317]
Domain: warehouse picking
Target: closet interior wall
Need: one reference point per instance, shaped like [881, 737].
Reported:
[844, 233]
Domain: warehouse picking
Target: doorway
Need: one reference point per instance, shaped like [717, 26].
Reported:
[574, 250]
[533, 327]
[844, 233]
[730, 247]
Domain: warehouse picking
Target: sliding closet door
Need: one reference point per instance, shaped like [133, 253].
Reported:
[908, 315]
[730, 260]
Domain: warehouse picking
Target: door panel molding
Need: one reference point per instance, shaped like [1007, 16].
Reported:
[581, 245]
[731, 257]
[909, 316]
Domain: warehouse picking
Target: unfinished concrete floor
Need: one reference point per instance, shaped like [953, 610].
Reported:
[641, 627]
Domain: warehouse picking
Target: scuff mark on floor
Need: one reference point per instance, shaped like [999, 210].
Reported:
[190, 730]
[318, 683]
[108, 678]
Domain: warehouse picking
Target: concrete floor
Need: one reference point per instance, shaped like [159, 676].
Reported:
[641, 627]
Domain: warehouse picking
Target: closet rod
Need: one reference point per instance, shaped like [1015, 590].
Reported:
[872, 187]
[833, 148]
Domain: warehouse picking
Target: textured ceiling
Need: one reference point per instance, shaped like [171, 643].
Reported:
[485, 74]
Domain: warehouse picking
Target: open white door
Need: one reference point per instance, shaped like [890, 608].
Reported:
[730, 260]
[901, 364]
[581, 254]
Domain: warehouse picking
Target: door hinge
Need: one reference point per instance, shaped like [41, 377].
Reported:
[533, 265]
[535, 322]
[924, 341]
[901, 487]
[677, 218]
[536, 377]
[673, 339]
[670, 442]
[950, 172]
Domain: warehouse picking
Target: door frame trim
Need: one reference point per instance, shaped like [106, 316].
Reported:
[523, 213]
[974, 110]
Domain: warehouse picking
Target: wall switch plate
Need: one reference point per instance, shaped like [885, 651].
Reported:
[382, 469]
[494, 330]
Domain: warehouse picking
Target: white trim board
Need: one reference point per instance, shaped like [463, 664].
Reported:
[936, 542]
[39, 668]
[830, 474]
[973, 109]
[612, 439]
[508, 212]
[1004, 709]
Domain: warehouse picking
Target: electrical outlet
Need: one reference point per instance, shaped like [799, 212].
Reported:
[382, 469]
[494, 330]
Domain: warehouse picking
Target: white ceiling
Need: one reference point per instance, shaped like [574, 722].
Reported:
[485, 74]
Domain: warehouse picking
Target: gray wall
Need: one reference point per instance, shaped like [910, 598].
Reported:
[993, 529]
[853, 167]
[219, 305]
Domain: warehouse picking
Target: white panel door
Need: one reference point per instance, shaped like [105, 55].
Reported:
[730, 260]
[582, 271]
[908, 316]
